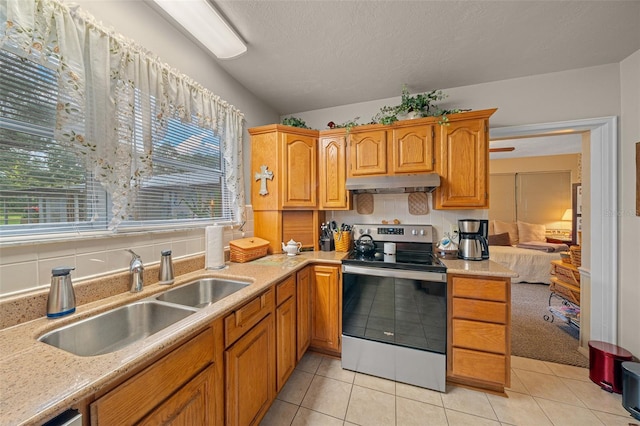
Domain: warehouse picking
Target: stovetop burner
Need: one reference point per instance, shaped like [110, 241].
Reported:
[414, 248]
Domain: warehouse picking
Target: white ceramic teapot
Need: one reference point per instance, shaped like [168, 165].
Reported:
[292, 248]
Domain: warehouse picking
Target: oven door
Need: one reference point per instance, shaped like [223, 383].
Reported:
[398, 307]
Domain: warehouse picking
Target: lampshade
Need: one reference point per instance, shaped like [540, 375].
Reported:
[568, 214]
[203, 21]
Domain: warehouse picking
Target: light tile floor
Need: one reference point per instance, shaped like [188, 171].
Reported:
[321, 393]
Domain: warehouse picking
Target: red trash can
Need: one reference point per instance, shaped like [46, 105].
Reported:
[605, 360]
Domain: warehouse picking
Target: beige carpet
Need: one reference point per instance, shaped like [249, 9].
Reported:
[533, 337]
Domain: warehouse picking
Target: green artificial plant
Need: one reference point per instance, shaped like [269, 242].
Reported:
[295, 122]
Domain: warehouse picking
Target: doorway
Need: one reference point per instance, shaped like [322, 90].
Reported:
[599, 265]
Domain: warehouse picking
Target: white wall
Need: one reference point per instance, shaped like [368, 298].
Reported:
[28, 266]
[629, 295]
[570, 95]
[575, 94]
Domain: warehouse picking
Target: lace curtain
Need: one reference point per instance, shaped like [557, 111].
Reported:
[99, 74]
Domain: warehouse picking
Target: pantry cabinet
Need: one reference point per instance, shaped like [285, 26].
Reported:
[463, 161]
[332, 170]
[326, 309]
[178, 386]
[479, 342]
[284, 182]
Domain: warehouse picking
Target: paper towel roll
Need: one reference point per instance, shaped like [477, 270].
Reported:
[214, 247]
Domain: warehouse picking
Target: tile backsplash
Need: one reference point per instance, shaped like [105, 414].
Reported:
[396, 206]
[27, 267]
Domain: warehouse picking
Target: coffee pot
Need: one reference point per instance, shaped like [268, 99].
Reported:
[292, 247]
[473, 243]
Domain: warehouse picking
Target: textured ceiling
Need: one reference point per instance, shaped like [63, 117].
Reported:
[310, 54]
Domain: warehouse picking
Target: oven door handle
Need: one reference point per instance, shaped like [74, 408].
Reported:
[395, 273]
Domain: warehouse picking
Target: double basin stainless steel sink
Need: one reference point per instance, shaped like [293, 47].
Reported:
[115, 329]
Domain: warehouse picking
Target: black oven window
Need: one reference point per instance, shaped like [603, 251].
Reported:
[411, 313]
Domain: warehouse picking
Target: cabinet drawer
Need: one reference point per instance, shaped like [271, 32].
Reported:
[480, 288]
[133, 399]
[482, 336]
[479, 365]
[480, 310]
[285, 289]
[241, 320]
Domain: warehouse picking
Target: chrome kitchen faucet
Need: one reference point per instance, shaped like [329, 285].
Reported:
[136, 269]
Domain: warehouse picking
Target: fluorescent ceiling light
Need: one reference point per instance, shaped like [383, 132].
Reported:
[204, 22]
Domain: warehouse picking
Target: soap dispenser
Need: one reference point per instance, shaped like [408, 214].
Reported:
[62, 299]
[165, 274]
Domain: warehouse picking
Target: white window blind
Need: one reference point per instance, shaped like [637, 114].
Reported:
[43, 187]
[542, 197]
[187, 182]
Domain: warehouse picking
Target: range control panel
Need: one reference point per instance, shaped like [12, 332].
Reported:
[397, 233]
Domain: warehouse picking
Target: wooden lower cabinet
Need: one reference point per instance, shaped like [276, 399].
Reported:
[479, 323]
[189, 406]
[286, 351]
[303, 310]
[326, 309]
[172, 388]
[250, 374]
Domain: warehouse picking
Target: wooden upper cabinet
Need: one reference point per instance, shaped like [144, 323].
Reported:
[299, 168]
[290, 157]
[412, 149]
[367, 152]
[463, 161]
[332, 171]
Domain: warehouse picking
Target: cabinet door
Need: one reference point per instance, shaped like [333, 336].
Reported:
[367, 153]
[130, 401]
[299, 169]
[303, 313]
[332, 171]
[286, 353]
[325, 308]
[463, 165]
[250, 374]
[412, 149]
[191, 405]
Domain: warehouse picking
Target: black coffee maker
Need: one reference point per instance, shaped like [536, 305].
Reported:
[473, 239]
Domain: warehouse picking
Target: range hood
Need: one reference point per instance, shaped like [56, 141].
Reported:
[423, 182]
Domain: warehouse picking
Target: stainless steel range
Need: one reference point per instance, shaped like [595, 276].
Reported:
[394, 311]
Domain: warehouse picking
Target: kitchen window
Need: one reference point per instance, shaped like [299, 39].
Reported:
[45, 188]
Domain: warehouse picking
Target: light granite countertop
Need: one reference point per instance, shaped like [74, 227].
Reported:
[38, 381]
[486, 268]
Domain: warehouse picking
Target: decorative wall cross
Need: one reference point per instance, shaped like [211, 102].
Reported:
[262, 176]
